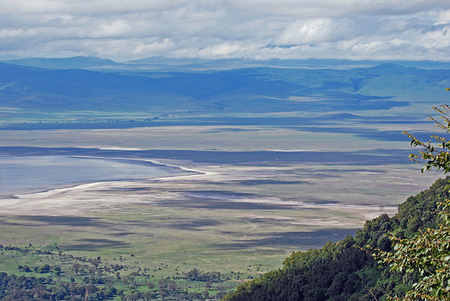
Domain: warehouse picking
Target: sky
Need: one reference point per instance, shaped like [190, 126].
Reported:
[211, 29]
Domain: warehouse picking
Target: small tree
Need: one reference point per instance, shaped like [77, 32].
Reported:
[434, 155]
[428, 252]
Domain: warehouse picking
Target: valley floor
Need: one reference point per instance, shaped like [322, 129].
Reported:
[247, 213]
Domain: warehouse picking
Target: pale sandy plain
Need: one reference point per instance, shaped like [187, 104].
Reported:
[221, 215]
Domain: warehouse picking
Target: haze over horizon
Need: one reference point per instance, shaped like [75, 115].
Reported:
[254, 29]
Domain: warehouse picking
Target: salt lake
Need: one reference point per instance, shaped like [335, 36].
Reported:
[23, 174]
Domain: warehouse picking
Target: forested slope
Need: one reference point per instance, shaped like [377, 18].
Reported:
[342, 270]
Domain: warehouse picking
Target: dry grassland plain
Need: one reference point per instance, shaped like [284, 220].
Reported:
[227, 214]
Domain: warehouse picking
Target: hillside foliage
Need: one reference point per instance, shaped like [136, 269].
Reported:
[427, 253]
[344, 270]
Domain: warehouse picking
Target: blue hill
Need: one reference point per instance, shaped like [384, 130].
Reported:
[76, 62]
[237, 90]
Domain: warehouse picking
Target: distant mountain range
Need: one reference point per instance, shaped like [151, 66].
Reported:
[76, 62]
[65, 85]
[197, 64]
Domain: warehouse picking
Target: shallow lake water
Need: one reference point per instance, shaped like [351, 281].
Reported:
[21, 174]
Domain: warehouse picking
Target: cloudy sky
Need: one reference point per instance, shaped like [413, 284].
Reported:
[255, 29]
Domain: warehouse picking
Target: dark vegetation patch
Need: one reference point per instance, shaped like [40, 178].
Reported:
[223, 200]
[90, 244]
[179, 224]
[266, 182]
[323, 202]
[360, 132]
[319, 174]
[379, 135]
[216, 194]
[227, 205]
[122, 234]
[194, 225]
[74, 221]
[129, 189]
[232, 130]
[297, 239]
[17, 223]
[328, 173]
[351, 170]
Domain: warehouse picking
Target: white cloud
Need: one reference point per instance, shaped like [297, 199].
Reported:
[112, 29]
[263, 29]
[314, 31]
